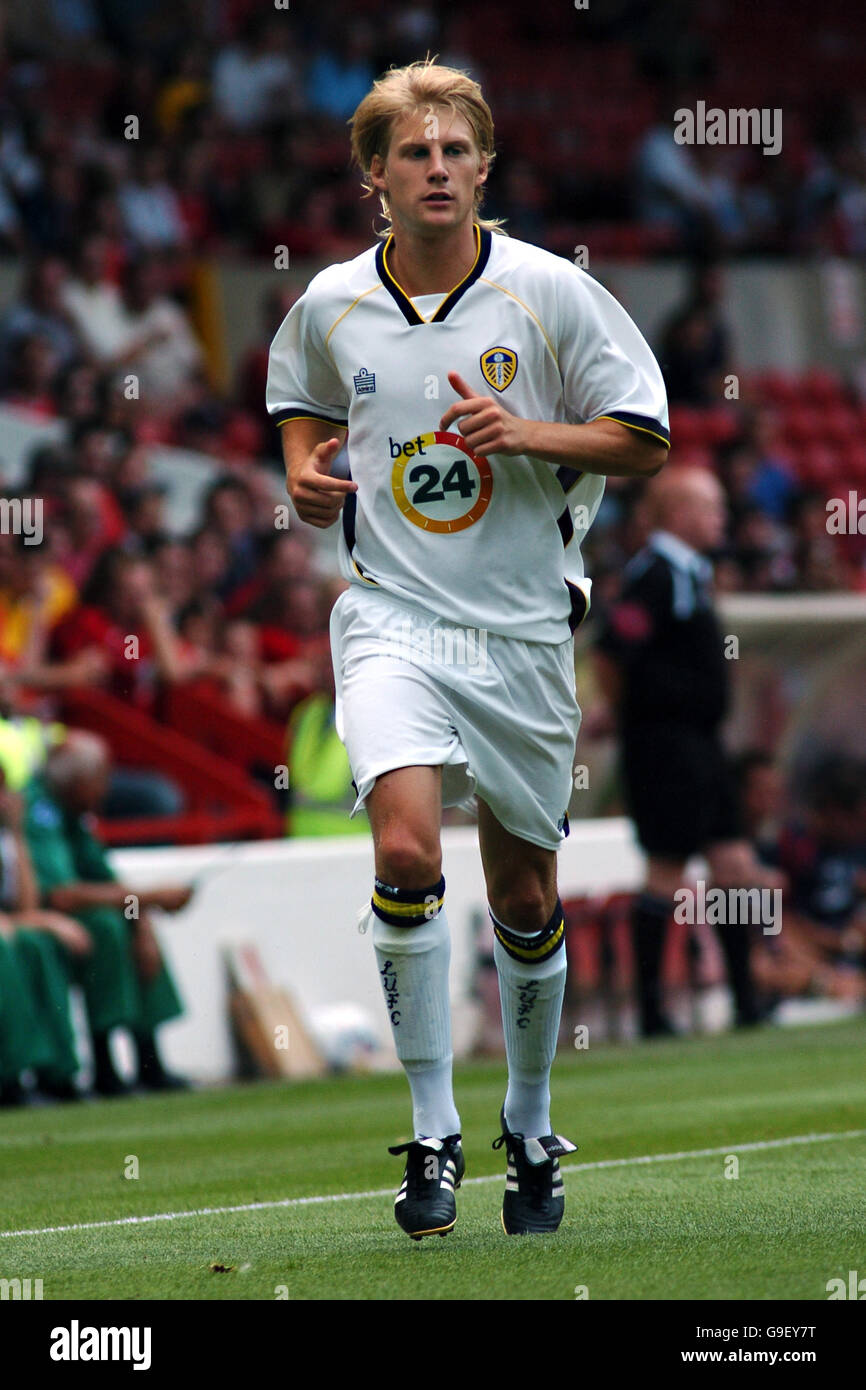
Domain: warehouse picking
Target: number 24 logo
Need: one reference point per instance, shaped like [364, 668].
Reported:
[457, 479]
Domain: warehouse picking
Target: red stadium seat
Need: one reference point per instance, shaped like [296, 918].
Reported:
[802, 425]
[840, 424]
[819, 466]
[687, 426]
[720, 425]
[776, 388]
[821, 388]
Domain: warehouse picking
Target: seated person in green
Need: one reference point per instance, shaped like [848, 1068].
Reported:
[35, 1027]
[35, 946]
[124, 978]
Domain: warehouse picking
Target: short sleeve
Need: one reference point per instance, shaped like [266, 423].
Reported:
[608, 369]
[303, 381]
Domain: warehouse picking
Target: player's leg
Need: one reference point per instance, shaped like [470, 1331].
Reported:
[529, 950]
[413, 948]
[733, 864]
[670, 797]
[650, 916]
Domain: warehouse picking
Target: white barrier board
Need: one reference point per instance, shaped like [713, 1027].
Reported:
[298, 901]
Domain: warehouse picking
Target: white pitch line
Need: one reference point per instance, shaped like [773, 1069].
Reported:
[389, 1191]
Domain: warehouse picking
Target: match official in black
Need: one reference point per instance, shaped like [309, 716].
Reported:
[661, 663]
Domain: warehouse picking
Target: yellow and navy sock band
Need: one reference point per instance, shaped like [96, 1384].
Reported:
[407, 907]
[532, 949]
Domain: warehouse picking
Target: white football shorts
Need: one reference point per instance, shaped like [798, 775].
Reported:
[499, 715]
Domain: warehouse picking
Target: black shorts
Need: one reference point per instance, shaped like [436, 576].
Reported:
[679, 790]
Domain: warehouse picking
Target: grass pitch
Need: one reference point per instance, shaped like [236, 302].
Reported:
[672, 1228]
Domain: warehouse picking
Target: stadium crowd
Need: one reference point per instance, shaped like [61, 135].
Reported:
[239, 144]
[241, 110]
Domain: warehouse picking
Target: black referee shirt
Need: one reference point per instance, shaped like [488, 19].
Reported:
[663, 634]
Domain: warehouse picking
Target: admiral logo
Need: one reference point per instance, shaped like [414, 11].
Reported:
[499, 365]
[365, 382]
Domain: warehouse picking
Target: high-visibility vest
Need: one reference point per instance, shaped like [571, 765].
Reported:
[320, 778]
[24, 744]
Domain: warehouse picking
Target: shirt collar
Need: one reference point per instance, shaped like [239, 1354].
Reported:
[681, 554]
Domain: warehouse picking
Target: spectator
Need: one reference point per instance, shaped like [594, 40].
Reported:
[160, 347]
[818, 560]
[211, 563]
[31, 377]
[54, 211]
[173, 562]
[694, 352]
[93, 302]
[149, 205]
[758, 472]
[37, 946]
[228, 512]
[124, 978]
[337, 83]
[822, 948]
[35, 596]
[254, 79]
[39, 310]
[673, 194]
[144, 509]
[125, 620]
[77, 393]
[88, 515]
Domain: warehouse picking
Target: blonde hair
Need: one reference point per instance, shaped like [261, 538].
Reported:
[403, 91]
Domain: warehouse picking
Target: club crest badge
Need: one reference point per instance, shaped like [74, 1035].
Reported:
[499, 365]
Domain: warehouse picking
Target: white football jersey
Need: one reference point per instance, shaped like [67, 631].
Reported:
[491, 543]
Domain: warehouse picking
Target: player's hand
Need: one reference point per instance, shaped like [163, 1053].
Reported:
[485, 425]
[317, 497]
[170, 899]
[69, 932]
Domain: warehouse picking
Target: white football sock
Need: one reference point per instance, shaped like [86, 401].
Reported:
[531, 994]
[413, 968]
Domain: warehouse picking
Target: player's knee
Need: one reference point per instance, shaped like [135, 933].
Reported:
[523, 906]
[406, 859]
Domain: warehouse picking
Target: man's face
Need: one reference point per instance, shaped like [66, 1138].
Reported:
[87, 793]
[431, 172]
[703, 514]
